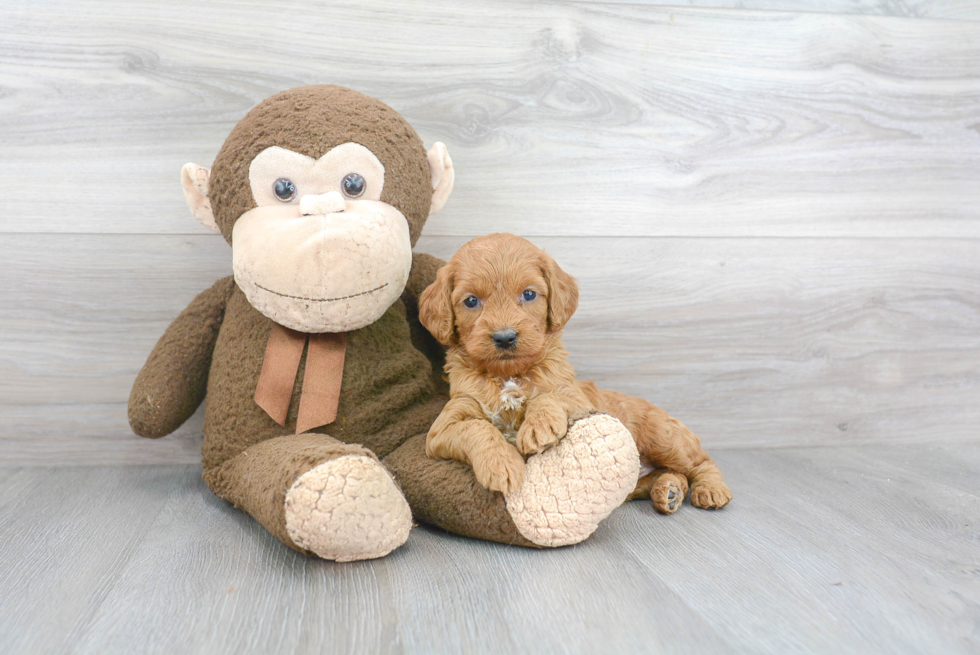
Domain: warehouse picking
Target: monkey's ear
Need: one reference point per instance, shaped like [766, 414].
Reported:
[562, 294]
[443, 175]
[436, 307]
[195, 180]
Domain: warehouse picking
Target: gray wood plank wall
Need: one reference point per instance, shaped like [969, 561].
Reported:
[773, 207]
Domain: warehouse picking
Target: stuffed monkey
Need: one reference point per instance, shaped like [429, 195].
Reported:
[321, 383]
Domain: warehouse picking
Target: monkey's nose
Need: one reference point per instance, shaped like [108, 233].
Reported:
[505, 338]
[325, 203]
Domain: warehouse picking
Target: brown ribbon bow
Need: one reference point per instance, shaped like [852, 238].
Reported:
[321, 380]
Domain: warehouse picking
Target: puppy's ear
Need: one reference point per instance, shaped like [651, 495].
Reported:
[562, 294]
[436, 307]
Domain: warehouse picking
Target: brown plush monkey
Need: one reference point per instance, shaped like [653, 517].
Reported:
[311, 355]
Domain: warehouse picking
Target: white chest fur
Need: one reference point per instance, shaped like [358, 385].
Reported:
[508, 414]
[512, 395]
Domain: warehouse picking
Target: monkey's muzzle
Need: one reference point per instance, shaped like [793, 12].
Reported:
[331, 272]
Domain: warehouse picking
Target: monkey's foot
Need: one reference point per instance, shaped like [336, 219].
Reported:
[569, 489]
[347, 509]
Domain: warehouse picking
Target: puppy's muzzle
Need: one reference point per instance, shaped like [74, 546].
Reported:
[505, 338]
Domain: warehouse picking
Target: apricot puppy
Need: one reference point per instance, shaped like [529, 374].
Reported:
[500, 305]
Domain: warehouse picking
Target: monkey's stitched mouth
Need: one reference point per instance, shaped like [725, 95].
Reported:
[353, 295]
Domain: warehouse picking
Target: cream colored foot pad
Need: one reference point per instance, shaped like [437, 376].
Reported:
[347, 509]
[596, 464]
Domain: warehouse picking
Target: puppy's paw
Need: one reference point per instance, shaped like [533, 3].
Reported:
[710, 494]
[540, 430]
[500, 469]
[668, 492]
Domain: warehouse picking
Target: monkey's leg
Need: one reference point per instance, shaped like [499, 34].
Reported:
[317, 495]
[568, 489]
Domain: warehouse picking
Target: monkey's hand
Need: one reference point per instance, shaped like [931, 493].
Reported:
[173, 381]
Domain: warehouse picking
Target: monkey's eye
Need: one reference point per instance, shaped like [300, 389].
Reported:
[471, 302]
[529, 295]
[284, 189]
[354, 185]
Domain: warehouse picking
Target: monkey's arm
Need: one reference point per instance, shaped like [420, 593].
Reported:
[423, 273]
[174, 379]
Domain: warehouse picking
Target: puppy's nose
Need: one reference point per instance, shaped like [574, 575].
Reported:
[505, 338]
[326, 203]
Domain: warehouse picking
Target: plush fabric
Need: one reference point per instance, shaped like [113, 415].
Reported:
[567, 491]
[308, 173]
[313, 279]
[195, 181]
[435, 488]
[570, 488]
[172, 383]
[312, 120]
[342, 490]
[386, 392]
[425, 267]
[257, 479]
[335, 508]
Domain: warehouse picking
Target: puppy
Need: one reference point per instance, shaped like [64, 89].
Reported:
[500, 305]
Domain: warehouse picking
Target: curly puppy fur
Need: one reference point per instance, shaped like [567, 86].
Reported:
[500, 305]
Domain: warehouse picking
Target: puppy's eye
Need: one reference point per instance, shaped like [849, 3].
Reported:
[471, 301]
[284, 189]
[529, 295]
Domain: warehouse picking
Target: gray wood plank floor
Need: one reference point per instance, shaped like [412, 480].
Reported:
[849, 549]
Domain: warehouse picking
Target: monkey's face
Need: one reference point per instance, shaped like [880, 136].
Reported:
[320, 252]
[321, 225]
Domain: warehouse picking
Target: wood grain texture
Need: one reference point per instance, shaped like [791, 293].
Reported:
[90, 434]
[841, 550]
[773, 211]
[851, 550]
[67, 538]
[938, 9]
[768, 132]
[562, 118]
[749, 341]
